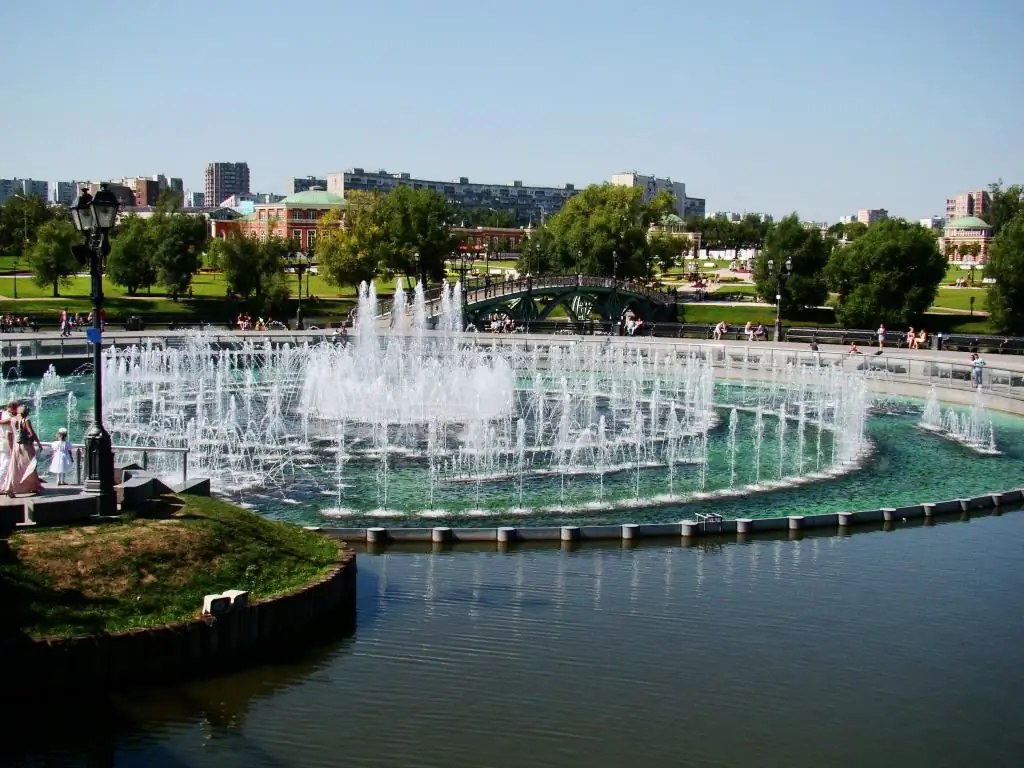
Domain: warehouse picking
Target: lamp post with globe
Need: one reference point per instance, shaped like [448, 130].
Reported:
[780, 280]
[94, 217]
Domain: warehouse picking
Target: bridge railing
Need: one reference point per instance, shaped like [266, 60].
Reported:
[123, 451]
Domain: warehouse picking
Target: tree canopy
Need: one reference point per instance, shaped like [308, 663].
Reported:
[601, 231]
[808, 251]
[1006, 264]
[130, 263]
[180, 240]
[51, 259]
[1007, 204]
[351, 255]
[254, 267]
[20, 219]
[890, 274]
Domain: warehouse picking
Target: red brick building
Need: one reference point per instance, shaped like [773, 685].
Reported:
[295, 218]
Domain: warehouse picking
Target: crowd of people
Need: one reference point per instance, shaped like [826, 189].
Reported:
[10, 323]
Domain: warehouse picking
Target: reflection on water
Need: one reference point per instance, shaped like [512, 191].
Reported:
[877, 649]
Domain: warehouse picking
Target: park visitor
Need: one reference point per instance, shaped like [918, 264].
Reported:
[62, 461]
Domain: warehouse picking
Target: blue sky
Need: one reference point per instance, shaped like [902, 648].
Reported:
[821, 107]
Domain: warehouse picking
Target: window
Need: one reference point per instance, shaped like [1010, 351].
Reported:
[297, 235]
[311, 238]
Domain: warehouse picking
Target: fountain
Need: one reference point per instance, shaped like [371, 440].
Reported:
[973, 428]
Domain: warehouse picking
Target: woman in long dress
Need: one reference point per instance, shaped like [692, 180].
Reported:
[6, 438]
[26, 442]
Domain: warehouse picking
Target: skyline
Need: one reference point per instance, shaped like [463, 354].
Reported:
[821, 110]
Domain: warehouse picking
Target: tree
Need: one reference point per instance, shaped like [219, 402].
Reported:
[179, 242]
[837, 230]
[601, 231]
[51, 258]
[354, 254]
[1006, 264]
[254, 267]
[1006, 205]
[890, 274]
[416, 228]
[535, 253]
[130, 263]
[805, 285]
[854, 229]
[20, 219]
[665, 250]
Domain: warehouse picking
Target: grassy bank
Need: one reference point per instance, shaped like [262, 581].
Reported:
[153, 568]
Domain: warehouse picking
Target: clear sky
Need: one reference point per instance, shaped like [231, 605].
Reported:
[817, 106]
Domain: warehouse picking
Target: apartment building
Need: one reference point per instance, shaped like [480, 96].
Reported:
[526, 204]
[225, 179]
[871, 216]
[27, 187]
[975, 204]
[307, 183]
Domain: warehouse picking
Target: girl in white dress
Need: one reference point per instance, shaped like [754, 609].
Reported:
[62, 461]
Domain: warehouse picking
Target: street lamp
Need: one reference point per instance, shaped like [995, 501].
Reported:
[300, 262]
[780, 280]
[94, 217]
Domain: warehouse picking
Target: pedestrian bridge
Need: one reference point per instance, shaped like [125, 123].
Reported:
[580, 297]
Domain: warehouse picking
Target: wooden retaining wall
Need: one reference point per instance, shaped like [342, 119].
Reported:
[184, 649]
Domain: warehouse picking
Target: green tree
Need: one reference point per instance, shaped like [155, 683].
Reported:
[1006, 205]
[854, 229]
[665, 251]
[535, 253]
[890, 274]
[50, 258]
[416, 227]
[254, 269]
[130, 263]
[179, 242]
[1005, 297]
[602, 230]
[808, 251]
[837, 230]
[20, 219]
[351, 255]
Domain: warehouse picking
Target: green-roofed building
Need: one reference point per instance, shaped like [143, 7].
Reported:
[965, 240]
[296, 217]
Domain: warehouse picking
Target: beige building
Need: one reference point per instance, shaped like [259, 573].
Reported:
[965, 240]
[869, 216]
[975, 204]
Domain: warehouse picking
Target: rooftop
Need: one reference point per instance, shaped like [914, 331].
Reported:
[312, 196]
[967, 222]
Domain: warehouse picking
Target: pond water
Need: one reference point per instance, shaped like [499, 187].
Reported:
[896, 648]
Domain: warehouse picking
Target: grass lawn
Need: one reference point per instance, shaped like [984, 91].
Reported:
[154, 568]
[960, 298]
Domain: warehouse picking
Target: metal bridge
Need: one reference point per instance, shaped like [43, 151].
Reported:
[532, 299]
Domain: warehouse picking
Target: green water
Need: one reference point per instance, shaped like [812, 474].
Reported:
[906, 465]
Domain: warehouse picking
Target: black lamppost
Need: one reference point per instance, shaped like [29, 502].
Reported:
[94, 217]
[780, 280]
[300, 262]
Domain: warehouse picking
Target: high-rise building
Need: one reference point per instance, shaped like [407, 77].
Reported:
[63, 192]
[652, 185]
[195, 199]
[302, 185]
[222, 180]
[526, 204]
[27, 187]
[871, 216]
[975, 204]
[934, 223]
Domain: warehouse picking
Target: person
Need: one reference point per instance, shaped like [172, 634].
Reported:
[719, 330]
[62, 461]
[749, 330]
[911, 339]
[881, 335]
[761, 333]
[853, 349]
[7, 437]
[21, 473]
[922, 337]
[978, 363]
